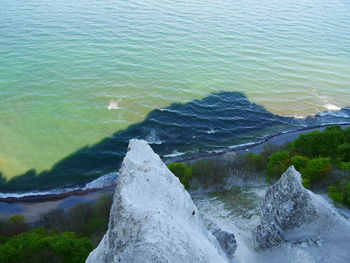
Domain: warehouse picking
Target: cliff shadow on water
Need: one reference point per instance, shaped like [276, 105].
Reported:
[216, 121]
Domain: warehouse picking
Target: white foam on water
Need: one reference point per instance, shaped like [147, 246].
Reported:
[153, 138]
[38, 193]
[334, 113]
[300, 117]
[211, 131]
[101, 182]
[327, 103]
[114, 104]
[331, 107]
[244, 145]
[174, 154]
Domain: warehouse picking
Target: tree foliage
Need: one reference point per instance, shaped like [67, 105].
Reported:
[278, 164]
[88, 219]
[299, 162]
[64, 236]
[40, 245]
[315, 155]
[182, 171]
[320, 143]
[315, 170]
[340, 192]
[16, 224]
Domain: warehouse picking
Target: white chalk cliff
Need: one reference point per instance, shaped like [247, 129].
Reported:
[295, 219]
[153, 218]
[286, 205]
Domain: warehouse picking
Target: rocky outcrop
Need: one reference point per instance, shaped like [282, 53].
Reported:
[227, 242]
[153, 218]
[286, 205]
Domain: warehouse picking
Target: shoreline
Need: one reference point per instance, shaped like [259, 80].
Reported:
[32, 211]
[49, 197]
[279, 138]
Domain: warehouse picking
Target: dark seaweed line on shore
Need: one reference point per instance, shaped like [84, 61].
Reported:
[188, 158]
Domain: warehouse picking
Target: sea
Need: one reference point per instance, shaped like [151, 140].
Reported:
[78, 79]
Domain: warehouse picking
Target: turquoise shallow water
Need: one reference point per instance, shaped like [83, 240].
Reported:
[75, 72]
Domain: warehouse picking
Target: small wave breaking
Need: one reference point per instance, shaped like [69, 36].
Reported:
[153, 138]
[181, 131]
[99, 183]
[114, 104]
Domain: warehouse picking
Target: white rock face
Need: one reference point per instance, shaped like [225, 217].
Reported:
[153, 218]
[302, 224]
[227, 242]
[286, 205]
[325, 238]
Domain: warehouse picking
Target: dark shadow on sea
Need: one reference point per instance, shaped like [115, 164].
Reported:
[216, 121]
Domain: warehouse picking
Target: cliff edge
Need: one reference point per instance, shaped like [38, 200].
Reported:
[153, 218]
[286, 205]
[295, 219]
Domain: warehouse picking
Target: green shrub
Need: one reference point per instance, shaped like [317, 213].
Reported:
[305, 144]
[345, 166]
[256, 162]
[347, 193]
[299, 162]
[315, 170]
[182, 171]
[14, 225]
[313, 154]
[336, 194]
[320, 143]
[88, 219]
[40, 245]
[346, 133]
[78, 217]
[3, 239]
[278, 164]
[102, 206]
[343, 152]
[340, 193]
[306, 182]
[2, 223]
[203, 171]
[56, 219]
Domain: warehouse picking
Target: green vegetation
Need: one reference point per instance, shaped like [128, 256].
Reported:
[255, 162]
[211, 172]
[299, 162]
[88, 219]
[206, 173]
[278, 163]
[345, 166]
[64, 236]
[320, 143]
[203, 171]
[322, 157]
[183, 172]
[40, 245]
[14, 225]
[315, 170]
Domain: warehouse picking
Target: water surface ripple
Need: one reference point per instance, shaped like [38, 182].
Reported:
[75, 72]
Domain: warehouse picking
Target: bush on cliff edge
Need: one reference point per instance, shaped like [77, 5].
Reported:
[182, 171]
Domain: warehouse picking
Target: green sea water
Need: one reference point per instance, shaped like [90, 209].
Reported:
[75, 72]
